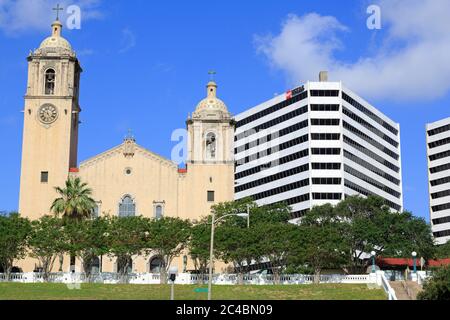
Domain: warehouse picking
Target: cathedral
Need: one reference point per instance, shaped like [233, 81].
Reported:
[127, 180]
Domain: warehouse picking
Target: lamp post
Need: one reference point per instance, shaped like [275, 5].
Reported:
[414, 255]
[211, 251]
[373, 261]
[172, 276]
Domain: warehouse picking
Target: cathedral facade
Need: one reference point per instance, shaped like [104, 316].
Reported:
[127, 180]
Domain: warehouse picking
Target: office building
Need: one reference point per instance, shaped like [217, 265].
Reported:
[317, 144]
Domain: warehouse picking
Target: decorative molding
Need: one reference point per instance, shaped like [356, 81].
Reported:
[119, 150]
[129, 148]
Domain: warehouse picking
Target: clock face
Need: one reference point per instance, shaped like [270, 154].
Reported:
[48, 114]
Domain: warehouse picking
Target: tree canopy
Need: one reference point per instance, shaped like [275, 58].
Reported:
[438, 286]
[168, 239]
[322, 242]
[47, 241]
[14, 232]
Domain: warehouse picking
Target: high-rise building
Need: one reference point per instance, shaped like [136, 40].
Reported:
[317, 144]
[438, 153]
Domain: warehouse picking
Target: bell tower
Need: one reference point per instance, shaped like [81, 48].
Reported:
[51, 119]
[210, 158]
[211, 131]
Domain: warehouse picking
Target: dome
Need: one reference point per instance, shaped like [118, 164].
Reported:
[211, 103]
[56, 40]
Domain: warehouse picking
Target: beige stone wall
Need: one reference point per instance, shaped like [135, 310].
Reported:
[155, 179]
[152, 179]
[200, 179]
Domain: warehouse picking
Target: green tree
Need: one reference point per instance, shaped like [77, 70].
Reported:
[14, 232]
[242, 246]
[366, 228]
[276, 242]
[442, 251]
[199, 245]
[372, 226]
[402, 233]
[322, 243]
[87, 239]
[236, 245]
[75, 202]
[126, 237]
[438, 286]
[168, 239]
[47, 242]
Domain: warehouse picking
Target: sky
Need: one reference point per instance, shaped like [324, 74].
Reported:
[146, 65]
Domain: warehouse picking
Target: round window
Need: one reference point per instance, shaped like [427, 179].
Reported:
[128, 171]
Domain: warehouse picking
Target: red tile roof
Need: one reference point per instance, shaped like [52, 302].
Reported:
[74, 170]
[384, 262]
[440, 262]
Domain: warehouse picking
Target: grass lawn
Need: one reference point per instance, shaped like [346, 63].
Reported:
[15, 291]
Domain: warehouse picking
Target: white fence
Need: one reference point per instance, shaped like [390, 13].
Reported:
[186, 278]
[384, 283]
[422, 277]
[377, 279]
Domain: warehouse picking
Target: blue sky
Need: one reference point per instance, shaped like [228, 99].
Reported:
[146, 65]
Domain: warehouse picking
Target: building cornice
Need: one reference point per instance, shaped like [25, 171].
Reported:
[120, 149]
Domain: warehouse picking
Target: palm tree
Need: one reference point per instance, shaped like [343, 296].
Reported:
[75, 202]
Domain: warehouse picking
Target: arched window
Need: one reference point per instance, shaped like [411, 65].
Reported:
[50, 76]
[124, 266]
[156, 264]
[95, 266]
[158, 212]
[94, 214]
[211, 146]
[127, 208]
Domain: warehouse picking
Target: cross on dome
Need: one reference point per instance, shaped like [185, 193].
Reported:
[57, 9]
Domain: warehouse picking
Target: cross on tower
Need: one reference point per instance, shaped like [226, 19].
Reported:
[58, 9]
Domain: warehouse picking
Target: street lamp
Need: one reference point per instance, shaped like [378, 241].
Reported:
[373, 261]
[211, 251]
[414, 254]
[172, 276]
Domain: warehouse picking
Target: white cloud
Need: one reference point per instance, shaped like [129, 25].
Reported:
[128, 40]
[411, 64]
[19, 16]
